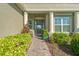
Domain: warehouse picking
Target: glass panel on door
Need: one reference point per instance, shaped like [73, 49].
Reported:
[39, 26]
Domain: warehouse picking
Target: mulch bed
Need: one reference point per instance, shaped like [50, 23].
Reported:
[59, 50]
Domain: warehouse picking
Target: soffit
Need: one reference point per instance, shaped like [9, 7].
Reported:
[50, 6]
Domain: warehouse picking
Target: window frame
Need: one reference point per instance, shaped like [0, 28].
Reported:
[62, 25]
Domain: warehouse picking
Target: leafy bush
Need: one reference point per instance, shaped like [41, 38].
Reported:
[75, 43]
[52, 38]
[61, 38]
[45, 34]
[16, 45]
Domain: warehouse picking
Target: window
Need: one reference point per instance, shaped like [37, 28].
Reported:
[62, 23]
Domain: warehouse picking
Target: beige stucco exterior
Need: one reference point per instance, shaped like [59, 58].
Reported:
[14, 16]
[11, 21]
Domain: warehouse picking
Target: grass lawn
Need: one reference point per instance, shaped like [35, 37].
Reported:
[15, 45]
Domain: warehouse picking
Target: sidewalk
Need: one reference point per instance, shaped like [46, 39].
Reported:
[38, 48]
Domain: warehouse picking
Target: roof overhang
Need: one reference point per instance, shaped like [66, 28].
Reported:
[49, 6]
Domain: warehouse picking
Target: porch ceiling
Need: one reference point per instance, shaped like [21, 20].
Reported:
[50, 6]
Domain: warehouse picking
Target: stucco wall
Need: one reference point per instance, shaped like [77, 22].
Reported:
[11, 21]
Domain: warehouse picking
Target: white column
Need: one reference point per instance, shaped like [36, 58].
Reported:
[76, 22]
[25, 18]
[51, 22]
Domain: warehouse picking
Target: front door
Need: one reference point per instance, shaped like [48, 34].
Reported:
[39, 26]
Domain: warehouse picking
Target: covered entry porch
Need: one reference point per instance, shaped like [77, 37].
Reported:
[39, 21]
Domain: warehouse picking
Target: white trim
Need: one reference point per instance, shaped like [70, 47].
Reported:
[76, 22]
[61, 25]
[71, 10]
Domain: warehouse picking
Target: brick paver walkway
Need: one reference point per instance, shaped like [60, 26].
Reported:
[38, 48]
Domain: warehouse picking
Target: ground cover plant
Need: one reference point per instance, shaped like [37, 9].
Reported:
[15, 45]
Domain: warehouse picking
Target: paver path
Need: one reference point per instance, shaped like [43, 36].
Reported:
[38, 48]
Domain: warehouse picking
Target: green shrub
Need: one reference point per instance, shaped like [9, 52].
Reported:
[61, 38]
[75, 43]
[52, 38]
[16, 45]
[45, 35]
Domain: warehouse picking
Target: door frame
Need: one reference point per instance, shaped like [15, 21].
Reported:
[35, 24]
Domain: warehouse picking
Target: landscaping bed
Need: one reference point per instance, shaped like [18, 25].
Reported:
[15, 45]
[57, 50]
[64, 44]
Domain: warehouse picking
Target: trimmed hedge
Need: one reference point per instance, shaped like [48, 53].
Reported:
[71, 39]
[16, 45]
[75, 43]
[60, 38]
